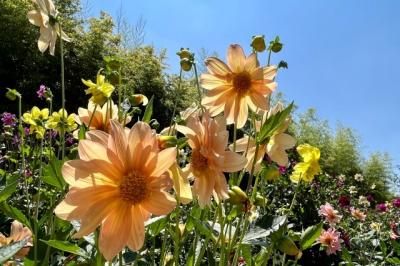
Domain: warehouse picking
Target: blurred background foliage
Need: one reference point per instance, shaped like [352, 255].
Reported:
[145, 71]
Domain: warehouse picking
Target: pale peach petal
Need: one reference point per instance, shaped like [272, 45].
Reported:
[162, 182]
[242, 144]
[233, 162]
[241, 112]
[63, 210]
[216, 67]
[35, 18]
[229, 110]
[221, 187]
[166, 158]
[269, 72]
[203, 188]
[98, 136]
[115, 231]
[136, 237]
[257, 75]
[211, 82]
[159, 203]
[259, 100]
[53, 41]
[251, 63]
[118, 141]
[279, 156]
[285, 141]
[181, 184]
[90, 150]
[44, 39]
[236, 58]
[140, 133]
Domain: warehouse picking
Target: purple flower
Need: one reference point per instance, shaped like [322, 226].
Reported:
[27, 131]
[41, 92]
[344, 201]
[16, 140]
[282, 170]
[69, 141]
[396, 203]
[382, 207]
[370, 198]
[8, 119]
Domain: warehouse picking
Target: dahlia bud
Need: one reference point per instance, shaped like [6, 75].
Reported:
[260, 200]
[137, 99]
[258, 43]
[166, 142]
[186, 64]
[185, 54]
[12, 94]
[275, 45]
[236, 195]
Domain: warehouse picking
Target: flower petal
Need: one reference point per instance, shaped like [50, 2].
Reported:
[236, 58]
[233, 162]
[210, 82]
[159, 203]
[166, 158]
[136, 237]
[216, 67]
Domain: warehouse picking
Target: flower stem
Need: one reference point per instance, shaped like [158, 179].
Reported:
[21, 150]
[176, 102]
[62, 137]
[198, 87]
[35, 224]
[91, 117]
[177, 233]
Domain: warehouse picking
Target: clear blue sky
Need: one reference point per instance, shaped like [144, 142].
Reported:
[343, 55]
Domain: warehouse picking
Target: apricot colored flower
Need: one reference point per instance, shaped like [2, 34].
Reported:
[356, 213]
[45, 17]
[61, 119]
[234, 87]
[307, 169]
[120, 179]
[100, 91]
[331, 215]
[208, 139]
[101, 116]
[275, 148]
[330, 239]
[18, 232]
[36, 119]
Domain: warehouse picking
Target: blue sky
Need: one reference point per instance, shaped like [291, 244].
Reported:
[343, 55]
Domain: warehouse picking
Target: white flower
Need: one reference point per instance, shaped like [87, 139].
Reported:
[358, 177]
[45, 17]
[342, 177]
[373, 186]
[352, 190]
[375, 226]
[362, 200]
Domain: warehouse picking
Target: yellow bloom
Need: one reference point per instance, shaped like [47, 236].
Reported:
[100, 91]
[234, 87]
[120, 180]
[61, 118]
[36, 119]
[45, 17]
[307, 169]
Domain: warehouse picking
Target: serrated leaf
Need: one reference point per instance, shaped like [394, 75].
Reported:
[66, 246]
[273, 123]
[149, 111]
[309, 236]
[7, 191]
[8, 251]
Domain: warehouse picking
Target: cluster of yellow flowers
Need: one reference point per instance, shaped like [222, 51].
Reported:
[39, 121]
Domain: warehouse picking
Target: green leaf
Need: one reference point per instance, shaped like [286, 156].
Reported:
[264, 227]
[202, 228]
[52, 174]
[273, 123]
[287, 246]
[7, 191]
[8, 251]
[246, 253]
[149, 111]
[393, 260]
[66, 246]
[15, 214]
[309, 236]
[157, 226]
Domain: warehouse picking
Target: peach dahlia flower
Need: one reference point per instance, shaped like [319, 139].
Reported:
[18, 232]
[331, 215]
[208, 139]
[119, 181]
[101, 116]
[237, 86]
[331, 240]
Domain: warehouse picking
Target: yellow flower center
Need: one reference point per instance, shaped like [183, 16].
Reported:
[133, 188]
[198, 161]
[241, 82]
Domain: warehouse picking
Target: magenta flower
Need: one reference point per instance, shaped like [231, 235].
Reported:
[382, 207]
[344, 201]
[282, 170]
[370, 198]
[330, 239]
[41, 92]
[8, 119]
[396, 203]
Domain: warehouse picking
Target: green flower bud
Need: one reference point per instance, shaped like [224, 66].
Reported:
[258, 43]
[287, 246]
[166, 142]
[260, 200]
[12, 94]
[185, 54]
[270, 173]
[275, 45]
[236, 195]
[186, 64]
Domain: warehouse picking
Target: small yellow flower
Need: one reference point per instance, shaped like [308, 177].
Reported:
[36, 119]
[307, 169]
[100, 91]
[61, 118]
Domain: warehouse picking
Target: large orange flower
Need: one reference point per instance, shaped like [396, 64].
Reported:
[235, 87]
[119, 181]
[208, 139]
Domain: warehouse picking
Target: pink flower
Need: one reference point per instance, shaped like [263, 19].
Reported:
[382, 207]
[396, 203]
[331, 215]
[330, 239]
[41, 92]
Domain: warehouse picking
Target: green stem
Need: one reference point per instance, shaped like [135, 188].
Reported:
[269, 58]
[62, 137]
[176, 102]
[203, 248]
[119, 94]
[120, 262]
[198, 87]
[246, 224]
[35, 224]
[177, 233]
[91, 117]
[21, 150]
